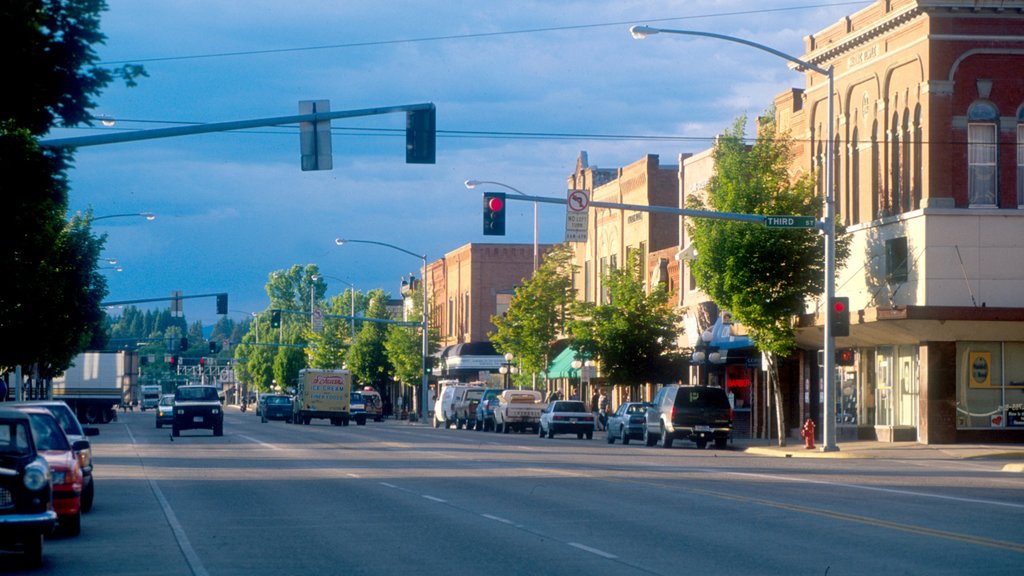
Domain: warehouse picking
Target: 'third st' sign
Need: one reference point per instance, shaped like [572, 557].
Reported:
[789, 221]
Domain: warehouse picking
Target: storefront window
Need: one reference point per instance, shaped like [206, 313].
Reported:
[883, 391]
[990, 384]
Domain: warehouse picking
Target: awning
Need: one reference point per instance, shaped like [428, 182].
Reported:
[561, 366]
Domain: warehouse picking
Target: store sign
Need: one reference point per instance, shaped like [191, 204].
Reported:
[1015, 417]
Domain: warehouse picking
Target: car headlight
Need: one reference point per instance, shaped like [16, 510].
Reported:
[215, 411]
[85, 458]
[37, 476]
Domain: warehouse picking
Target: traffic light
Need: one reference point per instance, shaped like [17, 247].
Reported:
[420, 136]
[214, 347]
[222, 303]
[172, 362]
[202, 361]
[494, 213]
[183, 344]
[845, 357]
[840, 316]
[275, 318]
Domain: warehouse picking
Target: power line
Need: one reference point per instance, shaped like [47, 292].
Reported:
[475, 35]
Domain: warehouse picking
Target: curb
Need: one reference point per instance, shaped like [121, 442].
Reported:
[803, 453]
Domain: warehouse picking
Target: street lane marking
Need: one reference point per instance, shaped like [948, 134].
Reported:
[388, 485]
[434, 498]
[260, 442]
[194, 563]
[499, 519]
[600, 553]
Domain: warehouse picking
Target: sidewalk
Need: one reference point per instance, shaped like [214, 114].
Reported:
[1013, 454]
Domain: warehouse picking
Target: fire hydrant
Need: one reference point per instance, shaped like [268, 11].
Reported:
[808, 433]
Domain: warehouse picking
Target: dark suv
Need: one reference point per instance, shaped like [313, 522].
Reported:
[197, 406]
[26, 505]
[695, 413]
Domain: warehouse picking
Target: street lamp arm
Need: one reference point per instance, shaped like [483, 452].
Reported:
[641, 32]
[147, 215]
[471, 184]
[342, 241]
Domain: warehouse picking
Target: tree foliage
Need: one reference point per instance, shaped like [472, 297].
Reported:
[634, 334]
[762, 275]
[538, 312]
[49, 302]
[367, 358]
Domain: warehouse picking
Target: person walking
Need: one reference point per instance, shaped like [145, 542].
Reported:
[595, 409]
[602, 409]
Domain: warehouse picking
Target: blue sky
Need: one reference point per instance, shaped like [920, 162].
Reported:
[506, 78]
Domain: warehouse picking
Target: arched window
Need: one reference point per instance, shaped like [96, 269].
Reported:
[982, 131]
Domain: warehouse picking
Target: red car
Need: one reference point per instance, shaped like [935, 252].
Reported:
[53, 445]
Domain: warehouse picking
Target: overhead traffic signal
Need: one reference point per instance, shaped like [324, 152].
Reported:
[845, 357]
[494, 213]
[840, 325]
[275, 318]
[420, 136]
[222, 303]
[183, 344]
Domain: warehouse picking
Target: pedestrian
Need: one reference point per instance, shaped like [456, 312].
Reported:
[602, 408]
[595, 409]
[574, 394]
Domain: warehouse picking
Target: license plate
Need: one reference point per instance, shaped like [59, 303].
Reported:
[197, 418]
[702, 428]
[574, 420]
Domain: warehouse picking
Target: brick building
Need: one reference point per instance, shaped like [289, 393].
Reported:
[929, 180]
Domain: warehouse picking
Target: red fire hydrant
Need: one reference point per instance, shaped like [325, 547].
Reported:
[808, 433]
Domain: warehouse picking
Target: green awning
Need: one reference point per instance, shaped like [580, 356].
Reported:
[561, 366]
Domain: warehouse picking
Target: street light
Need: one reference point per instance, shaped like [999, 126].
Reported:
[471, 184]
[828, 225]
[508, 369]
[424, 309]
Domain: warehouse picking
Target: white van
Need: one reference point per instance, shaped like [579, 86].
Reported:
[444, 406]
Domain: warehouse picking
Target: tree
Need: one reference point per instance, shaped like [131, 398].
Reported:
[634, 334]
[327, 348]
[49, 301]
[404, 346]
[537, 314]
[762, 275]
[367, 358]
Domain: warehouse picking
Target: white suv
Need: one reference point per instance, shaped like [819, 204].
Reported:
[444, 407]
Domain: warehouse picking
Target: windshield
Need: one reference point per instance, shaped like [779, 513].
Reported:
[47, 433]
[167, 400]
[13, 438]
[66, 418]
[278, 400]
[200, 393]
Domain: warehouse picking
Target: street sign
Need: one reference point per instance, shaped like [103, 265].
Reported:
[789, 221]
[576, 215]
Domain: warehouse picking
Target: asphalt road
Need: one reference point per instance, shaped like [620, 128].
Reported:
[397, 498]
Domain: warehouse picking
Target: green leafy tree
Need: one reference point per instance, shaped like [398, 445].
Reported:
[537, 314]
[367, 358]
[49, 301]
[327, 348]
[634, 334]
[287, 363]
[762, 275]
[404, 347]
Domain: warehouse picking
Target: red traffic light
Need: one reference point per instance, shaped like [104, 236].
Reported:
[839, 305]
[496, 204]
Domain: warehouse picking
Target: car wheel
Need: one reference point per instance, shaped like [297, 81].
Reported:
[721, 443]
[666, 438]
[625, 437]
[590, 435]
[540, 431]
[611, 437]
[159, 425]
[701, 444]
[87, 495]
[34, 550]
[71, 525]
[218, 430]
[175, 432]
[649, 439]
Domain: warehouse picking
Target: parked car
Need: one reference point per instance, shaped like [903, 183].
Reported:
[75, 432]
[197, 406]
[444, 406]
[696, 413]
[566, 417]
[27, 514]
[276, 407]
[485, 409]
[65, 473]
[627, 422]
[165, 410]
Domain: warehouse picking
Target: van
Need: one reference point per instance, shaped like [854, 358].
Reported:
[444, 406]
[374, 404]
[696, 413]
